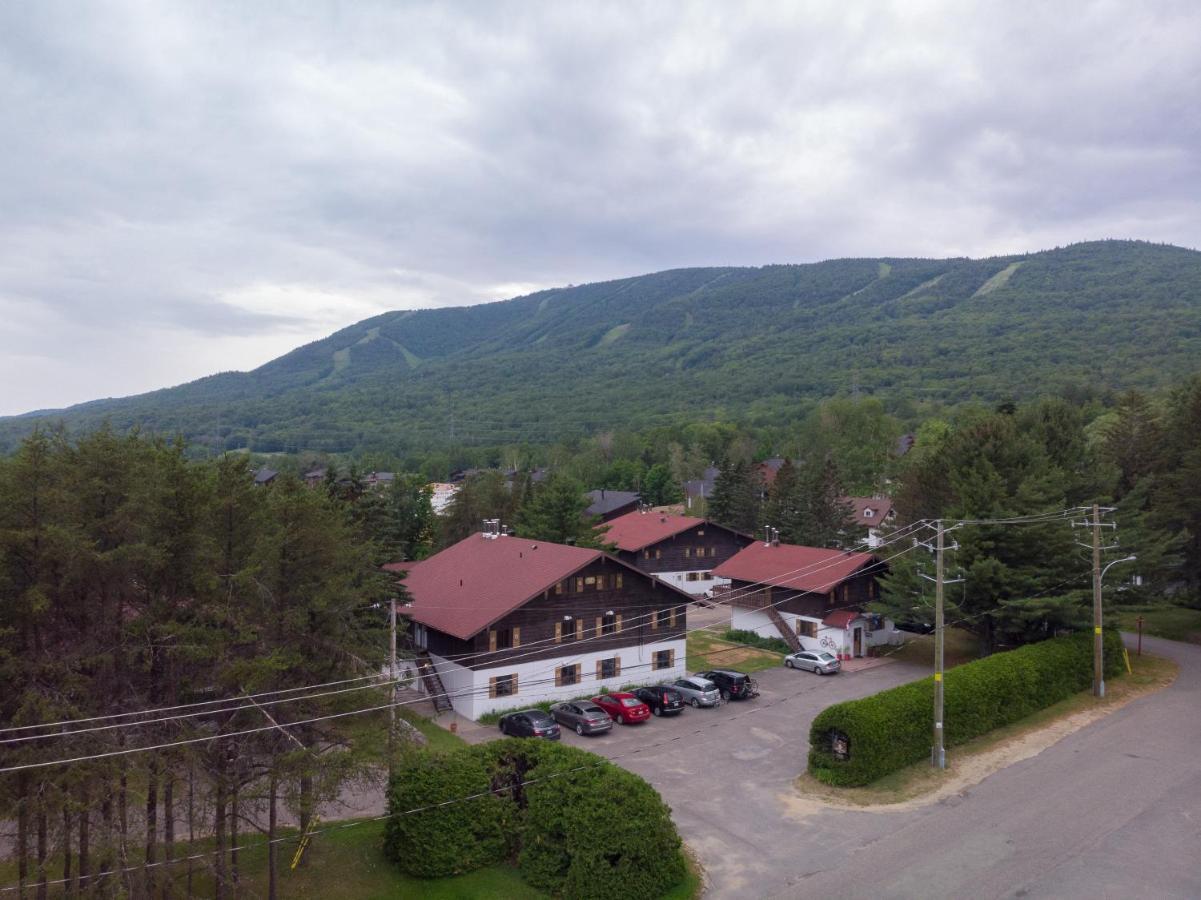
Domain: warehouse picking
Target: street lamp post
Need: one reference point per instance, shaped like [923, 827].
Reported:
[1100, 666]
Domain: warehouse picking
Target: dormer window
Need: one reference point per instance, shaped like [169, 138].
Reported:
[868, 513]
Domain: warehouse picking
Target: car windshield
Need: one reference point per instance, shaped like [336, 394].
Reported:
[539, 718]
[824, 657]
[707, 686]
[630, 701]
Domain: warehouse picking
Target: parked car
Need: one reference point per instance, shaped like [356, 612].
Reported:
[529, 723]
[583, 716]
[733, 685]
[698, 691]
[818, 661]
[663, 699]
[623, 708]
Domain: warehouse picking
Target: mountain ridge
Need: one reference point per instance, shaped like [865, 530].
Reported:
[761, 343]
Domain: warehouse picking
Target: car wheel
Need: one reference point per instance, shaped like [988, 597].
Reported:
[503, 728]
[579, 729]
[621, 720]
[696, 704]
[788, 664]
[725, 695]
[656, 711]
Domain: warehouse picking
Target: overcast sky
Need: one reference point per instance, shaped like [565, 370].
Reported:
[195, 187]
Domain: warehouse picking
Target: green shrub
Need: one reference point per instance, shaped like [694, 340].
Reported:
[577, 825]
[445, 840]
[738, 636]
[892, 729]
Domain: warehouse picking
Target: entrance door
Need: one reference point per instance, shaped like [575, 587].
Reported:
[857, 641]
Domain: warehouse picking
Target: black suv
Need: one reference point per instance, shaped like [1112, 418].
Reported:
[662, 699]
[733, 685]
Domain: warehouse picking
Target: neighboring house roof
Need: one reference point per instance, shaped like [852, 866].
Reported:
[870, 511]
[315, 475]
[605, 502]
[769, 468]
[792, 566]
[703, 486]
[264, 475]
[904, 444]
[636, 530]
[841, 618]
[472, 584]
[381, 477]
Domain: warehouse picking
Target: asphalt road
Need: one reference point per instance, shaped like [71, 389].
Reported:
[1113, 810]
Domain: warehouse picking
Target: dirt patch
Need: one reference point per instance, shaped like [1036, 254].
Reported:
[919, 785]
[730, 659]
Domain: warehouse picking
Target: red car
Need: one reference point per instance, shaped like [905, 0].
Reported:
[623, 708]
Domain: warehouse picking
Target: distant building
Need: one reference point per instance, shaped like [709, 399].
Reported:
[700, 489]
[609, 505]
[872, 515]
[441, 493]
[680, 550]
[265, 476]
[315, 477]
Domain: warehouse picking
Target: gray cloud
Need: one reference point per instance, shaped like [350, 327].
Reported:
[200, 186]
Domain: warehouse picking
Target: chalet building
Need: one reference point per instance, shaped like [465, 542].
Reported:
[871, 516]
[812, 598]
[608, 505]
[682, 551]
[501, 622]
[264, 476]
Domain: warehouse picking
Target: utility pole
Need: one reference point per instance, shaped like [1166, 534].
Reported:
[939, 760]
[938, 753]
[392, 674]
[1098, 652]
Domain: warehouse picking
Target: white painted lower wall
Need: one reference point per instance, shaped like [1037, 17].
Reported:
[468, 689]
[698, 587]
[838, 641]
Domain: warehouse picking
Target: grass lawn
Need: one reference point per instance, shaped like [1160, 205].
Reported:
[1176, 623]
[707, 651]
[1149, 674]
[959, 647]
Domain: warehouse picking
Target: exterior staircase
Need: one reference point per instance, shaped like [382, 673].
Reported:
[432, 683]
[781, 624]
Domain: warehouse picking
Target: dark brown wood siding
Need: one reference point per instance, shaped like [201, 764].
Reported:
[679, 553]
[637, 600]
[854, 593]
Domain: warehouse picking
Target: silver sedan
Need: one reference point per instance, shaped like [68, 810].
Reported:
[818, 661]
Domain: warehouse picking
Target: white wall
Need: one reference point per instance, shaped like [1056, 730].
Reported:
[833, 640]
[536, 678]
[697, 588]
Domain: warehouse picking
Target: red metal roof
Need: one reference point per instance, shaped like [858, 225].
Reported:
[636, 530]
[841, 618]
[477, 581]
[793, 566]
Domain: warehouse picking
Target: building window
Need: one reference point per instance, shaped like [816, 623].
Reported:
[658, 554]
[687, 552]
[610, 623]
[663, 659]
[805, 628]
[579, 585]
[559, 589]
[567, 675]
[608, 668]
[700, 532]
[503, 639]
[664, 618]
[617, 582]
[502, 685]
[691, 576]
[646, 554]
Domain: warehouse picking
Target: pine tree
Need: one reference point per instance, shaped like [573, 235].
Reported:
[736, 497]
[556, 513]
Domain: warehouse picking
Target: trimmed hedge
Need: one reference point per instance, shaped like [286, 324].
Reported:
[585, 828]
[892, 729]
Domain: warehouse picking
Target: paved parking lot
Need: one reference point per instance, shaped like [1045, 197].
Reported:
[726, 772]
